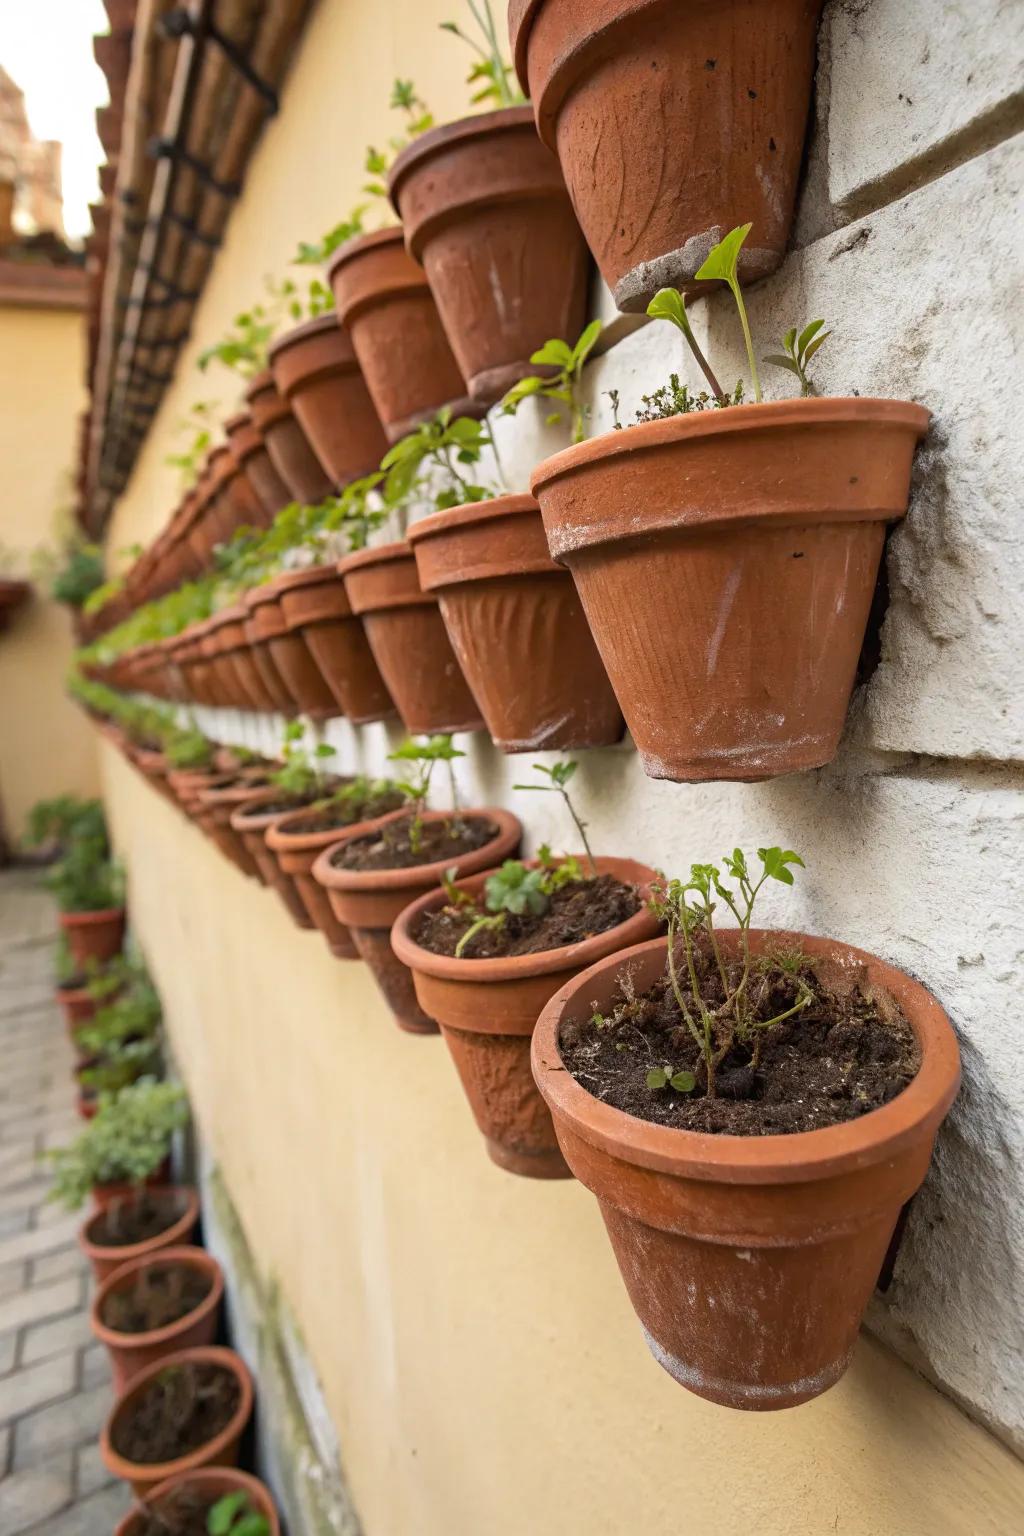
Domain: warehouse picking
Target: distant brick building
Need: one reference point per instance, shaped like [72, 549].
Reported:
[31, 200]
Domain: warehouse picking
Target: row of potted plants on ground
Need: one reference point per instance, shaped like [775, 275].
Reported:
[752, 1108]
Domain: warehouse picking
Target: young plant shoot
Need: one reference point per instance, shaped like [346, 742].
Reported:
[233, 1515]
[490, 74]
[437, 451]
[422, 758]
[565, 385]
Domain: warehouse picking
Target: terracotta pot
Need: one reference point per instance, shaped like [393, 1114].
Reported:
[105, 1259]
[487, 215]
[222, 1450]
[487, 1010]
[316, 370]
[256, 465]
[385, 303]
[252, 822]
[212, 1482]
[257, 627]
[94, 936]
[726, 562]
[291, 656]
[79, 1008]
[187, 782]
[750, 1259]
[290, 453]
[409, 641]
[153, 766]
[636, 95]
[131, 1353]
[295, 853]
[118, 1191]
[368, 902]
[516, 625]
[218, 805]
[315, 604]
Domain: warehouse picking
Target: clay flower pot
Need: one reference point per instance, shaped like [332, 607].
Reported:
[290, 453]
[106, 1258]
[221, 1451]
[385, 303]
[250, 451]
[94, 936]
[367, 902]
[672, 123]
[314, 603]
[259, 627]
[516, 625]
[487, 215]
[218, 804]
[79, 1008]
[131, 1353]
[726, 562]
[409, 641]
[251, 822]
[212, 1483]
[291, 656]
[487, 1010]
[316, 370]
[750, 1259]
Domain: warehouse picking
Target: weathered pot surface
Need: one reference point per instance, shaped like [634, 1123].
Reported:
[131, 1353]
[316, 369]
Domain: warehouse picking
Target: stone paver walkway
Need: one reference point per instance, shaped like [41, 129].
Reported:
[54, 1380]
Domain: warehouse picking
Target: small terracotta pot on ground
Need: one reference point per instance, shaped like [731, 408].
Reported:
[673, 124]
[94, 936]
[183, 1211]
[285, 441]
[210, 1483]
[385, 303]
[222, 1450]
[487, 1011]
[251, 822]
[290, 654]
[79, 1007]
[316, 370]
[487, 215]
[131, 1353]
[517, 626]
[218, 804]
[726, 562]
[255, 463]
[314, 603]
[367, 902]
[750, 1259]
[409, 641]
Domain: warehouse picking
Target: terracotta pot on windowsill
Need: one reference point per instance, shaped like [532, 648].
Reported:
[317, 372]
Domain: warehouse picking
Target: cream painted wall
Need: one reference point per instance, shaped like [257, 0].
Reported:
[45, 746]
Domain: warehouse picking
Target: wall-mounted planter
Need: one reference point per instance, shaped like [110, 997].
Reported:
[256, 465]
[180, 1204]
[487, 1011]
[259, 651]
[517, 626]
[316, 370]
[291, 656]
[367, 902]
[207, 1486]
[726, 562]
[673, 124]
[409, 641]
[252, 821]
[289, 449]
[314, 603]
[487, 215]
[94, 937]
[385, 303]
[750, 1259]
[131, 1353]
[217, 805]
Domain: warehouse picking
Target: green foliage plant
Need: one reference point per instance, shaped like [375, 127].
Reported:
[304, 774]
[199, 424]
[558, 777]
[86, 880]
[64, 819]
[233, 1515]
[125, 1142]
[440, 445]
[492, 77]
[565, 386]
[421, 758]
[244, 348]
[79, 573]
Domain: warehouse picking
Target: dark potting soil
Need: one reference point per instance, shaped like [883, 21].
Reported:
[344, 814]
[182, 1408]
[157, 1298]
[182, 1513]
[846, 1053]
[578, 911]
[390, 848]
[135, 1219]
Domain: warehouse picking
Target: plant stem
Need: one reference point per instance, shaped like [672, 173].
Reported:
[703, 364]
[751, 359]
[581, 829]
[677, 989]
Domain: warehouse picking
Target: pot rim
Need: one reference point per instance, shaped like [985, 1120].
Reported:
[248, 817]
[470, 513]
[308, 576]
[332, 878]
[391, 234]
[239, 419]
[266, 592]
[253, 1486]
[98, 915]
[461, 131]
[280, 840]
[796, 1157]
[302, 332]
[264, 380]
[506, 968]
[380, 554]
[187, 1219]
[213, 795]
[187, 1254]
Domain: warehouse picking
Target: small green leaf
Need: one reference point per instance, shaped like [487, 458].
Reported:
[557, 353]
[657, 1077]
[581, 351]
[683, 1082]
[668, 304]
[815, 344]
[221, 1516]
[722, 259]
[777, 360]
[807, 335]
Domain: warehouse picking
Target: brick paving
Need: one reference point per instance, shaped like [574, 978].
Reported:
[54, 1380]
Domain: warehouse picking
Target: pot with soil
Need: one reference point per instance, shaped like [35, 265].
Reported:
[254, 462]
[185, 1411]
[219, 804]
[409, 641]
[289, 449]
[488, 999]
[252, 822]
[137, 1225]
[517, 626]
[371, 877]
[290, 654]
[750, 1219]
[182, 1505]
[385, 303]
[487, 215]
[317, 372]
[726, 561]
[77, 1002]
[154, 1306]
[314, 603]
[672, 123]
[94, 937]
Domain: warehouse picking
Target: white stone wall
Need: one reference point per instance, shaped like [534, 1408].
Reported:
[910, 244]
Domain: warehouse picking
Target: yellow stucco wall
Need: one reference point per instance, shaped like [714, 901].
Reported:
[45, 746]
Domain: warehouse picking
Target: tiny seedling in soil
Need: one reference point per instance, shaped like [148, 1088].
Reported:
[566, 385]
[559, 776]
[304, 774]
[157, 1297]
[179, 1410]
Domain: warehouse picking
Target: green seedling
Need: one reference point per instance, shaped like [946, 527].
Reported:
[304, 774]
[668, 304]
[720, 265]
[799, 349]
[558, 776]
[233, 1515]
[490, 74]
[565, 385]
[441, 445]
[423, 757]
[244, 348]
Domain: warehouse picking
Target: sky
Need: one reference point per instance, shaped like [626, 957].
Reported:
[46, 48]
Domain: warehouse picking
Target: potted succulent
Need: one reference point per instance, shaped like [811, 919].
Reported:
[153, 1306]
[214, 1501]
[670, 123]
[487, 215]
[123, 1149]
[486, 953]
[369, 876]
[752, 1108]
[181, 1413]
[726, 554]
